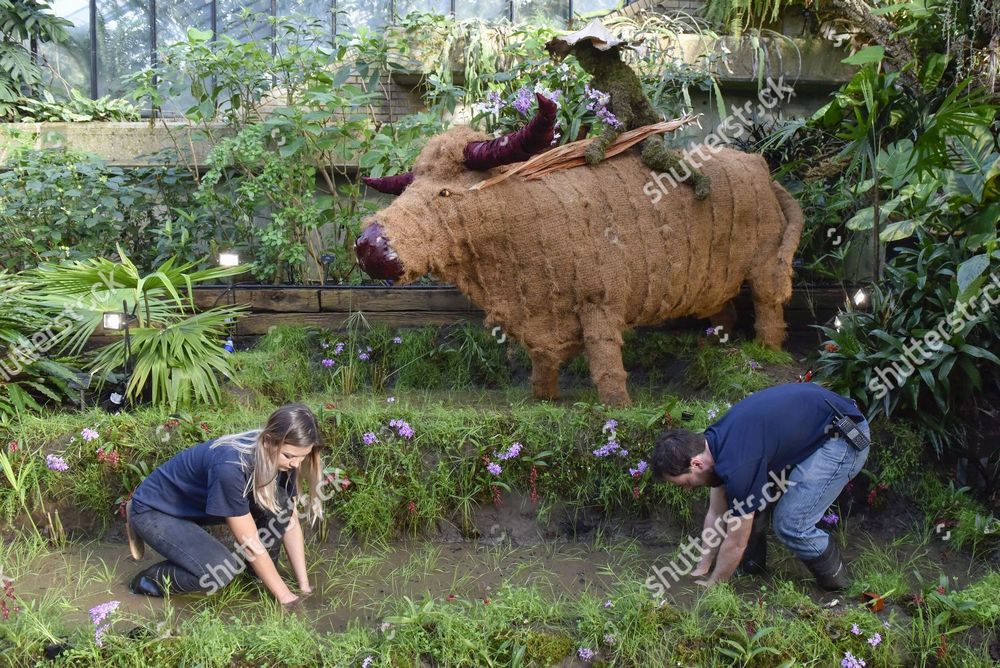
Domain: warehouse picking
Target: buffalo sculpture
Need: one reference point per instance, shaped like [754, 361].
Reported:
[565, 264]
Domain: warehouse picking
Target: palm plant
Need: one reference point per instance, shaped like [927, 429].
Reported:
[26, 375]
[176, 350]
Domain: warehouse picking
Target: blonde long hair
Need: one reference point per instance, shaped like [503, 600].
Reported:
[292, 424]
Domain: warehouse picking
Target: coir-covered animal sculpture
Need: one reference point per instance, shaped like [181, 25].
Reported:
[567, 263]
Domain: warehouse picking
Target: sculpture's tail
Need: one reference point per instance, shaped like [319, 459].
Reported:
[794, 222]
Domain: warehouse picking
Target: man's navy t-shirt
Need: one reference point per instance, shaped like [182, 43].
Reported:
[768, 431]
[204, 484]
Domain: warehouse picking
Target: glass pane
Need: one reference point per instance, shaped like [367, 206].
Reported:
[313, 19]
[240, 21]
[542, 12]
[352, 14]
[485, 9]
[172, 22]
[123, 36]
[68, 64]
[174, 18]
[404, 7]
[585, 6]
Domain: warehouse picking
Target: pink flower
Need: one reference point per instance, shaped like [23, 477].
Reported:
[855, 630]
[875, 640]
[494, 468]
[89, 434]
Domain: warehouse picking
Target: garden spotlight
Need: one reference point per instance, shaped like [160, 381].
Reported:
[115, 321]
[860, 297]
[229, 259]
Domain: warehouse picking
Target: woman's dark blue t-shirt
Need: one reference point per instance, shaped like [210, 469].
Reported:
[768, 431]
[204, 484]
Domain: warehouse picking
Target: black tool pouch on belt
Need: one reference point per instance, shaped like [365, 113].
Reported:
[849, 429]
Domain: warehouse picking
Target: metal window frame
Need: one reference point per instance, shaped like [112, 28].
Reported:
[213, 18]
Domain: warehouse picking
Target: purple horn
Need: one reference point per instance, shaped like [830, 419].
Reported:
[518, 146]
[390, 185]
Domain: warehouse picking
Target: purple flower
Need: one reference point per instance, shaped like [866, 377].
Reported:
[56, 463]
[328, 362]
[755, 365]
[855, 630]
[610, 425]
[363, 357]
[851, 661]
[638, 470]
[585, 653]
[523, 100]
[89, 434]
[513, 451]
[711, 414]
[493, 104]
[886, 624]
[402, 428]
[830, 519]
[367, 662]
[397, 340]
[339, 348]
[100, 612]
[710, 331]
[609, 118]
[324, 345]
[609, 639]
[875, 640]
[608, 604]
[368, 438]
[494, 468]
[609, 448]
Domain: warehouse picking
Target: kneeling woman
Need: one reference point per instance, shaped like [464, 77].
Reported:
[248, 481]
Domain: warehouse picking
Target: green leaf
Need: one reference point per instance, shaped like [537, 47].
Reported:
[198, 35]
[968, 271]
[869, 54]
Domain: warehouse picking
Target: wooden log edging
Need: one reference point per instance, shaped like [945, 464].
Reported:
[415, 306]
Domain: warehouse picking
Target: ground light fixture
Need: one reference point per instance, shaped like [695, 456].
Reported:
[860, 297]
[120, 321]
[229, 259]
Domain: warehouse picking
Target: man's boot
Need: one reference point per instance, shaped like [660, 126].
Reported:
[754, 560]
[148, 582]
[828, 568]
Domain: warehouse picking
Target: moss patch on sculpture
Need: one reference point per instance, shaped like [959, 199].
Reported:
[627, 102]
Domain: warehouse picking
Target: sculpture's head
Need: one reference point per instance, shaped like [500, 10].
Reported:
[402, 241]
[593, 45]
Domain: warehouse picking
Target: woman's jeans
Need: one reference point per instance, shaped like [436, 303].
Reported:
[813, 486]
[195, 560]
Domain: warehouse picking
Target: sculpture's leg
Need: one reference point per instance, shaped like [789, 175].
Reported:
[544, 374]
[771, 288]
[657, 156]
[602, 339]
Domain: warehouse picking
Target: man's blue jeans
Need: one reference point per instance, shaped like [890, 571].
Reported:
[813, 486]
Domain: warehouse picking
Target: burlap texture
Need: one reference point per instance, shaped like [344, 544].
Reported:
[569, 262]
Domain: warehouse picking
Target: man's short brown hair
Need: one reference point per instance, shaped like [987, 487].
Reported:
[674, 450]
